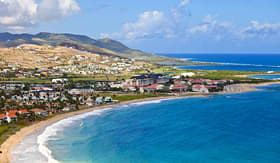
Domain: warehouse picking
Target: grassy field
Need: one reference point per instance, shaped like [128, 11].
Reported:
[9, 129]
[75, 78]
[209, 74]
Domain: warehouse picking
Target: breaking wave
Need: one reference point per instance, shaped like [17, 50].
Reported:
[53, 129]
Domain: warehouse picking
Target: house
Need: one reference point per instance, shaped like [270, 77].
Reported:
[2, 118]
[212, 88]
[176, 77]
[81, 91]
[89, 103]
[199, 88]
[24, 112]
[178, 87]
[40, 112]
[59, 80]
[11, 115]
[163, 80]
[99, 100]
[152, 88]
[216, 82]
[108, 99]
[68, 108]
[178, 81]
[129, 88]
[196, 81]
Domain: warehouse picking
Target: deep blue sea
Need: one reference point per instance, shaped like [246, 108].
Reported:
[238, 62]
[237, 128]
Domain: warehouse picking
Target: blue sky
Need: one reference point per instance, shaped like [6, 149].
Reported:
[158, 26]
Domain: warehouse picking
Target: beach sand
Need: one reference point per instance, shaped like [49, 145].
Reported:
[14, 140]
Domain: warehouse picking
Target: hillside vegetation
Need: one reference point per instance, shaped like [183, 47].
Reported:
[80, 42]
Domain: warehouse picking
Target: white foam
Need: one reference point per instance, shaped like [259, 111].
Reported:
[147, 102]
[52, 131]
[27, 151]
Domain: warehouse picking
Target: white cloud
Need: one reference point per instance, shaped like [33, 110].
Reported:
[20, 14]
[260, 30]
[179, 11]
[184, 3]
[214, 27]
[221, 30]
[154, 24]
[209, 25]
[50, 10]
[149, 24]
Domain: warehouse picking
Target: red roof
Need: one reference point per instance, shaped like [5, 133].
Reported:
[24, 111]
[154, 86]
[211, 86]
[2, 116]
[179, 86]
[13, 111]
[197, 86]
[127, 86]
[12, 115]
[178, 80]
[196, 80]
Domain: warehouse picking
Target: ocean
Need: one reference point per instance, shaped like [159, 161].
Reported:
[270, 77]
[241, 128]
[236, 62]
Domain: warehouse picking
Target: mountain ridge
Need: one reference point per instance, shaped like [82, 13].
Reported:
[104, 46]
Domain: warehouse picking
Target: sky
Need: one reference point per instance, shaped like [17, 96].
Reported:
[157, 26]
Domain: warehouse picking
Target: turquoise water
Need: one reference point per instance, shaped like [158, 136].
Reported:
[272, 77]
[224, 128]
[237, 62]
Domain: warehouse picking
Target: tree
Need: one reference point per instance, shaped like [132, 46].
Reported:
[32, 117]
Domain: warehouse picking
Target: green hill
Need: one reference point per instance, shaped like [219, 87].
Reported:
[81, 42]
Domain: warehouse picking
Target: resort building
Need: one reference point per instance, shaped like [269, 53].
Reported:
[200, 88]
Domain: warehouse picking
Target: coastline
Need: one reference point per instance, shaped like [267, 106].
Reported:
[14, 140]
[242, 88]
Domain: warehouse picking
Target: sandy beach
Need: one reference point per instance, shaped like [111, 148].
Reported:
[14, 140]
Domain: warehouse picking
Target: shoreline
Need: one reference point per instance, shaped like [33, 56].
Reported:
[249, 76]
[14, 140]
[248, 87]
